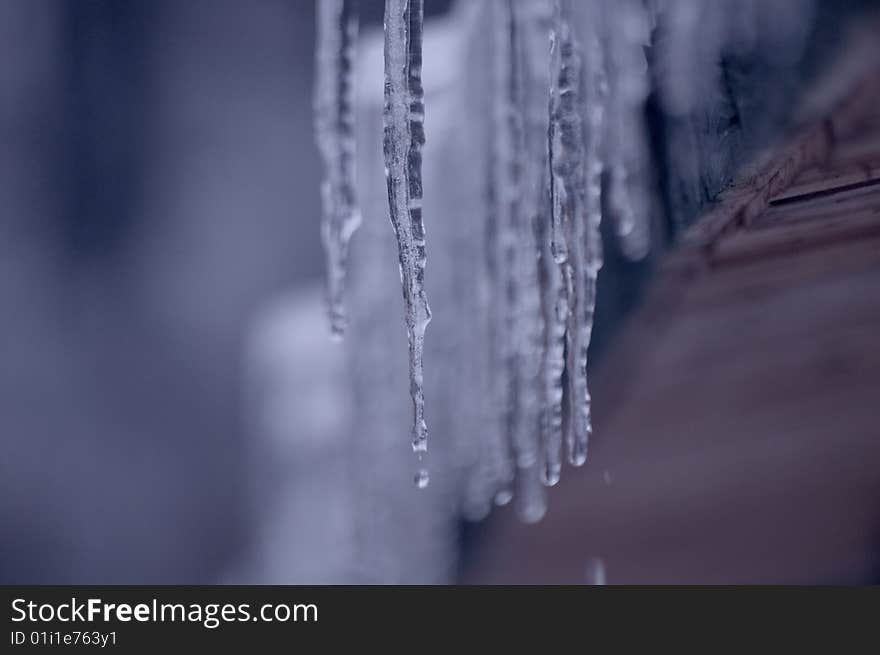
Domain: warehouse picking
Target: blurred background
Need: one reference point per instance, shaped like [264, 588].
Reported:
[160, 184]
[171, 409]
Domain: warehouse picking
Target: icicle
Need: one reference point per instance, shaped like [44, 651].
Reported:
[541, 343]
[566, 146]
[500, 243]
[629, 184]
[563, 139]
[559, 164]
[528, 320]
[514, 235]
[403, 140]
[334, 127]
[516, 317]
[687, 63]
[556, 317]
[594, 98]
[576, 168]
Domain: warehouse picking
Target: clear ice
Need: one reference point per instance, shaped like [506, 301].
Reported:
[577, 97]
[404, 137]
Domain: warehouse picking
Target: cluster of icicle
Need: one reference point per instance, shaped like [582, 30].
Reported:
[558, 126]
[567, 86]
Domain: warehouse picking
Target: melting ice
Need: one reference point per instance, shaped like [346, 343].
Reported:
[404, 117]
[548, 100]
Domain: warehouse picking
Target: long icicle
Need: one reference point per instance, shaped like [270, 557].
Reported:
[563, 137]
[595, 89]
[626, 34]
[523, 320]
[501, 371]
[568, 194]
[337, 27]
[576, 122]
[404, 137]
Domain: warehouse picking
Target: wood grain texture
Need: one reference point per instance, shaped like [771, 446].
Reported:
[736, 414]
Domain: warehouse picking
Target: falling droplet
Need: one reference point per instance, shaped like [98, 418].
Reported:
[594, 572]
[551, 474]
[503, 497]
[422, 478]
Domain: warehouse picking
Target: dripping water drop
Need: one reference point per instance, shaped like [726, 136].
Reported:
[578, 453]
[594, 572]
[503, 497]
[422, 478]
[551, 473]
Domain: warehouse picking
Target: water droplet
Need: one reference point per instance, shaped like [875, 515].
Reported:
[532, 512]
[550, 474]
[578, 454]
[337, 332]
[422, 478]
[594, 572]
[503, 497]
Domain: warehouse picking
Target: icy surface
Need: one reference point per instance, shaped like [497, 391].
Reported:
[334, 128]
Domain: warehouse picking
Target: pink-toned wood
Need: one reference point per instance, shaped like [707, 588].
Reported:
[737, 414]
[826, 181]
